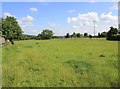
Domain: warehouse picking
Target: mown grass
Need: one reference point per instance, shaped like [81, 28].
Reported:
[61, 63]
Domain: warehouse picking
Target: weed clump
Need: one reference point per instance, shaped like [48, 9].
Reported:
[37, 43]
[102, 55]
[80, 66]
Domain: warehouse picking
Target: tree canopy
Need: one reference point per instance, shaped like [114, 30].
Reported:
[45, 34]
[11, 29]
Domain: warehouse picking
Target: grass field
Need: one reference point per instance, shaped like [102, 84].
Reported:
[61, 63]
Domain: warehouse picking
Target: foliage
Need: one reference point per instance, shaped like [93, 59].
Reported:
[67, 35]
[78, 35]
[55, 37]
[103, 34]
[11, 29]
[85, 34]
[113, 34]
[45, 34]
[73, 35]
[28, 37]
[90, 36]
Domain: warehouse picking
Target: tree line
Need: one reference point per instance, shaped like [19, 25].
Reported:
[10, 30]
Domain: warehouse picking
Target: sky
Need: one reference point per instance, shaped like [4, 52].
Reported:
[63, 17]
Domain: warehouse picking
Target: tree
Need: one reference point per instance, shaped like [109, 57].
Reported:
[39, 36]
[11, 29]
[78, 35]
[67, 35]
[0, 26]
[73, 35]
[90, 36]
[99, 35]
[103, 34]
[112, 32]
[85, 34]
[46, 34]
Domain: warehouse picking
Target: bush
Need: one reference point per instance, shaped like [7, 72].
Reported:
[114, 38]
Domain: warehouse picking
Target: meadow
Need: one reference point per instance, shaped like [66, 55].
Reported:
[60, 63]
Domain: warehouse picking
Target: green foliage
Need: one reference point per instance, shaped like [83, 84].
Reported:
[85, 34]
[45, 34]
[78, 35]
[11, 29]
[103, 34]
[67, 35]
[112, 32]
[0, 27]
[28, 37]
[39, 36]
[90, 36]
[55, 37]
[73, 35]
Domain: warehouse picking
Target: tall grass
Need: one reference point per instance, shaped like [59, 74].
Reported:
[61, 63]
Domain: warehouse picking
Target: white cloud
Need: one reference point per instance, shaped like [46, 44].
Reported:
[26, 21]
[33, 9]
[84, 22]
[7, 14]
[72, 20]
[27, 18]
[71, 11]
[51, 24]
[84, 19]
[114, 7]
[109, 17]
[75, 27]
[92, 1]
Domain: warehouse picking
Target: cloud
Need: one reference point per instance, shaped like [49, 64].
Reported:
[109, 17]
[84, 22]
[84, 19]
[8, 14]
[75, 27]
[92, 1]
[71, 11]
[72, 20]
[51, 24]
[27, 18]
[114, 7]
[26, 21]
[33, 9]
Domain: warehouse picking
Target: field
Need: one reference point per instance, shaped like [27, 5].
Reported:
[61, 63]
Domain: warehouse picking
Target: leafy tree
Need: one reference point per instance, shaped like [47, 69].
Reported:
[99, 35]
[73, 35]
[11, 29]
[0, 26]
[112, 32]
[78, 35]
[90, 36]
[104, 34]
[85, 34]
[67, 35]
[39, 36]
[46, 34]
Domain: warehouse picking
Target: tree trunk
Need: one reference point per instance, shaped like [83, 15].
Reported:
[11, 41]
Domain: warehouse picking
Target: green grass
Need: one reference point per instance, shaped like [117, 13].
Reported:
[61, 63]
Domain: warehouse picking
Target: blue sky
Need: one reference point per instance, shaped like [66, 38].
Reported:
[62, 17]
